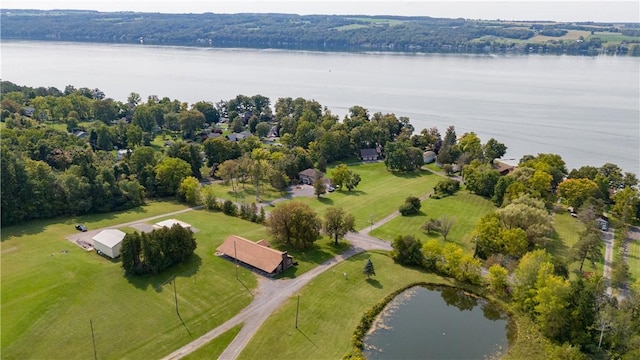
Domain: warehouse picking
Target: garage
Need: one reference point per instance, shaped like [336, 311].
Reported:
[108, 242]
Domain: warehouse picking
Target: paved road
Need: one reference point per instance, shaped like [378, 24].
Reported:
[607, 237]
[271, 294]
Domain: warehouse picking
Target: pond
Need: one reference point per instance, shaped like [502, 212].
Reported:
[438, 323]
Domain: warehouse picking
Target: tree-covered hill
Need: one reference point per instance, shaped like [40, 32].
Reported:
[323, 32]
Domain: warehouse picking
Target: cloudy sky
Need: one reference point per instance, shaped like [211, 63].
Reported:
[589, 10]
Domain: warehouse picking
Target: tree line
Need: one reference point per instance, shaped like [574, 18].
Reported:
[316, 32]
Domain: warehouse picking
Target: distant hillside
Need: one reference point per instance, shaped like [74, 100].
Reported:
[323, 32]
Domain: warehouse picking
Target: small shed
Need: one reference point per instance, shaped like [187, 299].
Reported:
[170, 222]
[428, 157]
[108, 242]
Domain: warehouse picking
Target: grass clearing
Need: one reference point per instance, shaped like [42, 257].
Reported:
[51, 289]
[634, 261]
[216, 346]
[567, 230]
[465, 208]
[379, 194]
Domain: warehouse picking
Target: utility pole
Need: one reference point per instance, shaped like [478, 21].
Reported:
[93, 338]
[297, 308]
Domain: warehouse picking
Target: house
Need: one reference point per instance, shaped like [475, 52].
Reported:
[80, 134]
[503, 168]
[309, 175]
[108, 242]
[120, 154]
[170, 222]
[257, 255]
[239, 136]
[428, 157]
[29, 111]
[369, 154]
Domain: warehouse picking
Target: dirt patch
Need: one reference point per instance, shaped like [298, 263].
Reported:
[11, 249]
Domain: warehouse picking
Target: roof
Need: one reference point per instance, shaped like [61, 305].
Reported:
[429, 153]
[368, 153]
[310, 173]
[109, 237]
[503, 168]
[170, 222]
[251, 253]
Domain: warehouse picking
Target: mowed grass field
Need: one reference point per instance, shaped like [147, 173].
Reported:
[464, 208]
[52, 289]
[378, 195]
[634, 261]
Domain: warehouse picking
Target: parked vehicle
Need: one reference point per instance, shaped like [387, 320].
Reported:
[81, 227]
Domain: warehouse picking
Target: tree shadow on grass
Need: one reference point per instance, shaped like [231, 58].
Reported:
[375, 283]
[326, 201]
[160, 280]
[556, 245]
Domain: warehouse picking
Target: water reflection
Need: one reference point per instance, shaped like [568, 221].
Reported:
[438, 323]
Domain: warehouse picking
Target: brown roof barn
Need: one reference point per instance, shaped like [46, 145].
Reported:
[256, 254]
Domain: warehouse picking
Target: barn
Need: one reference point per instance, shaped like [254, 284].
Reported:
[108, 242]
[256, 255]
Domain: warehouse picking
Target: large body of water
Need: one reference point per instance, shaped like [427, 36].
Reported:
[587, 109]
[438, 323]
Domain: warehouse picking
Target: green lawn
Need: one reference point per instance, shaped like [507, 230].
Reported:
[323, 249]
[379, 194]
[567, 230]
[245, 193]
[331, 307]
[51, 289]
[216, 346]
[463, 207]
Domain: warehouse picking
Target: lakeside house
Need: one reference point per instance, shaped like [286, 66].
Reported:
[256, 255]
[503, 168]
[428, 157]
[369, 154]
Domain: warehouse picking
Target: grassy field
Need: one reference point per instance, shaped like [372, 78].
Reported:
[323, 249]
[215, 347]
[567, 230]
[463, 207]
[634, 262]
[51, 289]
[331, 307]
[379, 194]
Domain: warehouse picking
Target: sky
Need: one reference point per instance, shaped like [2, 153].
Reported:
[567, 10]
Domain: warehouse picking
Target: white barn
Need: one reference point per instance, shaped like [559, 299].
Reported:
[108, 242]
[170, 222]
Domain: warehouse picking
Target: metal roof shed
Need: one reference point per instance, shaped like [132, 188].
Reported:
[108, 242]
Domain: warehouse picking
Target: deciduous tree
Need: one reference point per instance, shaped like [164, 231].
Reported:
[294, 223]
[337, 222]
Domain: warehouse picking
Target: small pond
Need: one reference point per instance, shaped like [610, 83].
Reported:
[438, 323]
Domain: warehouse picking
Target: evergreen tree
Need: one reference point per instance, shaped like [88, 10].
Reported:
[368, 269]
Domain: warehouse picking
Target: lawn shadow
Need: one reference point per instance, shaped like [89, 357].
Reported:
[556, 246]
[305, 335]
[354, 192]
[326, 201]
[158, 281]
[375, 283]
[183, 324]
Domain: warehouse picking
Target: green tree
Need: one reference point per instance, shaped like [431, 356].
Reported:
[445, 224]
[493, 149]
[209, 198]
[588, 247]
[337, 222]
[220, 149]
[625, 203]
[407, 250]
[368, 269]
[577, 191]
[319, 186]
[411, 206]
[105, 110]
[497, 280]
[294, 223]
[262, 129]
[190, 190]
[340, 175]
[190, 122]
[169, 174]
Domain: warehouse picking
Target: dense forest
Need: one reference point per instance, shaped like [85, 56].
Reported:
[323, 32]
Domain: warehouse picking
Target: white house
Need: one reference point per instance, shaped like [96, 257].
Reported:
[108, 242]
[428, 157]
[170, 222]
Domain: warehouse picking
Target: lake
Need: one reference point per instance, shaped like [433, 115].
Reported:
[586, 109]
[438, 323]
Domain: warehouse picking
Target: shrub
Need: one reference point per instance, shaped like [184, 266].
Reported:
[446, 187]
[411, 206]
[229, 208]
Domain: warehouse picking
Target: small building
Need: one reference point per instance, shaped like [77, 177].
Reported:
[120, 154]
[503, 168]
[309, 175]
[108, 242]
[257, 255]
[170, 222]
[369, 154]
[428, 157]
[81, 134]
[238, 136]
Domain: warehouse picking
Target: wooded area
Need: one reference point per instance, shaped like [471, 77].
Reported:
[323, 32]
